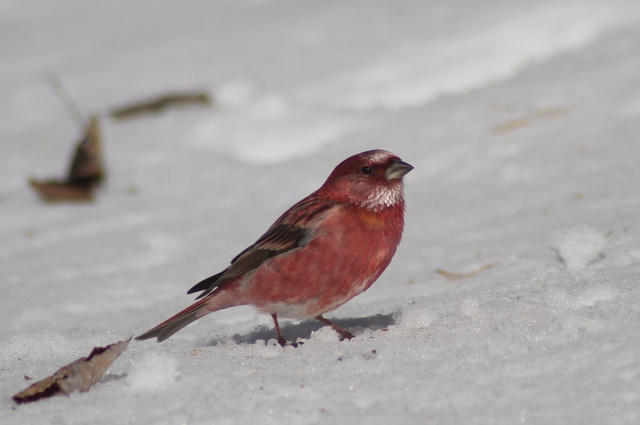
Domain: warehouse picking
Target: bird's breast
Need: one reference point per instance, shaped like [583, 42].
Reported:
[372, 220]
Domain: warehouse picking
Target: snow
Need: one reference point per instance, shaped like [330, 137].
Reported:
[579, 245]
[520, 118]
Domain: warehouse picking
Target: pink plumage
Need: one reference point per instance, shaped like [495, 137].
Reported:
[323, 251]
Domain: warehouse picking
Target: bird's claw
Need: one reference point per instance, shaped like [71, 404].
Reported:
[346, 335]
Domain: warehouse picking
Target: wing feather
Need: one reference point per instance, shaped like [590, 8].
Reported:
[294, 229]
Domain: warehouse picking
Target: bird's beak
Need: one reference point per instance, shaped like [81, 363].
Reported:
[397, 169]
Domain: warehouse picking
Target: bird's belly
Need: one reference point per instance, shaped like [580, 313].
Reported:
[306, 307]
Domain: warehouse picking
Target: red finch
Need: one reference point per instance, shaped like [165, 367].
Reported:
[320, 253]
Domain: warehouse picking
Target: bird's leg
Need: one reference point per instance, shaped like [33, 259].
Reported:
[344, 334]
[281, 340]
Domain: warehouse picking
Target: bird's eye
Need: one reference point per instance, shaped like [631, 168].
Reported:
[366, 170]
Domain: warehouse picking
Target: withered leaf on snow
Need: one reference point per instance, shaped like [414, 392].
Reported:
[531, 118]
[85, 172]
[160, 103]
[78, 376]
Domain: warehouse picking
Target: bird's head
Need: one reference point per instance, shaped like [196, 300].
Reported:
[371, 180]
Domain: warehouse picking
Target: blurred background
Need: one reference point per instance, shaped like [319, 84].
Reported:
[520, 118]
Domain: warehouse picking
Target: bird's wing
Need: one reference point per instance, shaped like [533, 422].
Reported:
[295, 228]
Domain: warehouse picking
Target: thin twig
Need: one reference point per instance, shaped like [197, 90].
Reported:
[70, 104]
[458, 276]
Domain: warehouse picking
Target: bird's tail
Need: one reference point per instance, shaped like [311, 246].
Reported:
[216, 301]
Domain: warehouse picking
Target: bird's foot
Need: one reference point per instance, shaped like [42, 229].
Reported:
[344, 334]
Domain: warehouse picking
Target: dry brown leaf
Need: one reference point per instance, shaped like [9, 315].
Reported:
[160, 103]
[77, 376]
[511, 125]
[57, 191]
[518, 123]
[458, 276]
[86, 165]
[86, 170]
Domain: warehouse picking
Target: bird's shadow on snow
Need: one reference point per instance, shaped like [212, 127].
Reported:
[303, 330]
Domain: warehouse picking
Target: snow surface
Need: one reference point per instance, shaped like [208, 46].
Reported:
[521, 119]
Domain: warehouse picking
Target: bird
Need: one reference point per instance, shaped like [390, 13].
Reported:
[320, 253]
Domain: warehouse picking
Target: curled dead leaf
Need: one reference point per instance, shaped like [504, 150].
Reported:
[86, 170]
[77, 376]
